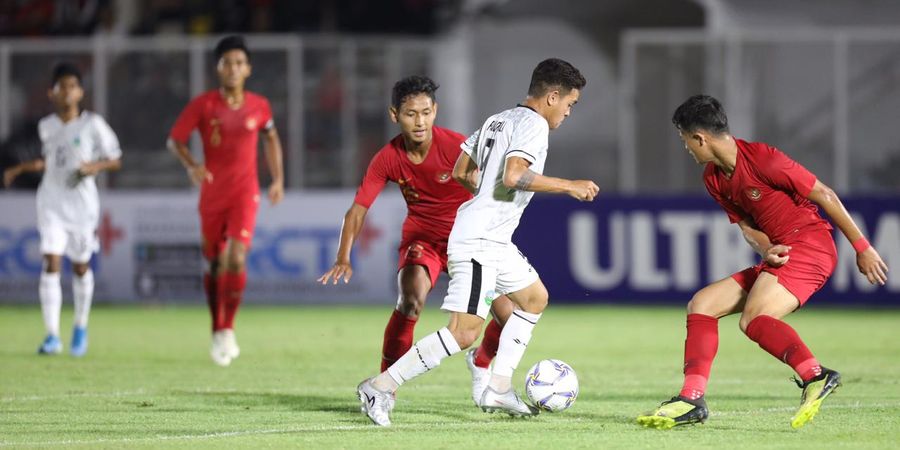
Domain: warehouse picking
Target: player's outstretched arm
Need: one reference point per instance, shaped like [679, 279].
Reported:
[11, 173]
[197, 172]
[95, 167]
[465, 172]
[276, 168]
[517, 174]
[774, 255]
[353, 223]
[868, 260]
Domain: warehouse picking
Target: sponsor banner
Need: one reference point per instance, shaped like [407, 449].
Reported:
[150, 249]
[663, 249]
[620, 249]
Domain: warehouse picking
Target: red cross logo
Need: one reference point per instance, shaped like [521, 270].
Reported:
[366, 236]
[108, 233]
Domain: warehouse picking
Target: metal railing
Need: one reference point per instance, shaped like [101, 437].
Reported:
[329, 95]
[828, 97]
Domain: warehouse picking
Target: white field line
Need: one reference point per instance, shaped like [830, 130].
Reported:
[415, 426]
[189, 437]
[825, 406]
[25, 398]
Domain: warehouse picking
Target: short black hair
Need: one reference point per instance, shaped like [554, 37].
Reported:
[554, 73]
[701, 112]
[229, 43]
[65, 69]
[410, 86]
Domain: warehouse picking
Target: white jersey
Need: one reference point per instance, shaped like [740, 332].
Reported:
[63, 198]
[494, 212]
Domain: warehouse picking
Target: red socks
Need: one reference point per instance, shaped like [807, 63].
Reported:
[489, 343]
[772, 335]
[700, 348]
[782, 342]
[230, 291]
[398, 338]
[209, 287]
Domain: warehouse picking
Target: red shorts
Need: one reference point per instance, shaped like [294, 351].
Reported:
[237, 221]
[423, 253]
[813, 258]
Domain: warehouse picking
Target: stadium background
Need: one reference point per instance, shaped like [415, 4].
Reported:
[820, 80]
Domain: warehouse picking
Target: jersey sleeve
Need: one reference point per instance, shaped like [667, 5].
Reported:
[43, 135]
[268, 120]
[374, 180]
[529, 140]
[469, 144]
[784, 173]
[107, 141]
[734, 212]
[187, 121]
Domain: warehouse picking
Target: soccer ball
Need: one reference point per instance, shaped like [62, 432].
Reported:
[551, 385]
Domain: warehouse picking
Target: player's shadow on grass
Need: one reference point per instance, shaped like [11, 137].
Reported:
[293, 402]
[331, 404]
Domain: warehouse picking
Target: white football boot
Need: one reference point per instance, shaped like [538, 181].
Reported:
[230, 342]
[508, 402]
[480, 377]
[377, 405]
[218, 350]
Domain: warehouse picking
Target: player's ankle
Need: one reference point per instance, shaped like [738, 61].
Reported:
[384, 383]
[500, 383]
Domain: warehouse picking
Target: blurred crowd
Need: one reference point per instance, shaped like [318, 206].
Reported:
[141, 17]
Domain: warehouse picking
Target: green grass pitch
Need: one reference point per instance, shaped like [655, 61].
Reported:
[148, 382]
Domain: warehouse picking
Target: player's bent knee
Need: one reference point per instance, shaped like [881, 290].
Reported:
[235, 262]
[52, 263]
[537, 303]
[80, 269]
[746, 318]
[466, 338]
[465, 332]
[411, 305]
[702, 303]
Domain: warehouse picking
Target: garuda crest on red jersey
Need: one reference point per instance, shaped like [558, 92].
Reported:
[753, 194]
[442, 177]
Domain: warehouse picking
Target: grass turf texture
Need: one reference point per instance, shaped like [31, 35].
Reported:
[148, 382]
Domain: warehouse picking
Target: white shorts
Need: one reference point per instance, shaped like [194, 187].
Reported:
[477, 278]
[77, 245]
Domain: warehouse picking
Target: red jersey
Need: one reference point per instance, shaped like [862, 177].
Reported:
[230, 138]
[432, 195]
[768, 187]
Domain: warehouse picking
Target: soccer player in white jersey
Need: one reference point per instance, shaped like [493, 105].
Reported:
[76, 146]
[502, 165]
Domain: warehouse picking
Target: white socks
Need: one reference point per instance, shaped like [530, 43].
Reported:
[422, 357]
[83, 290]
[50, 293]
[514, 340]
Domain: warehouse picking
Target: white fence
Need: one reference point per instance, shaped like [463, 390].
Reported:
[329, 95]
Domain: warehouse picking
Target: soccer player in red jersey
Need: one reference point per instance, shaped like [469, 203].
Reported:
[229, 120]
[773, 199]
[420, 160]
